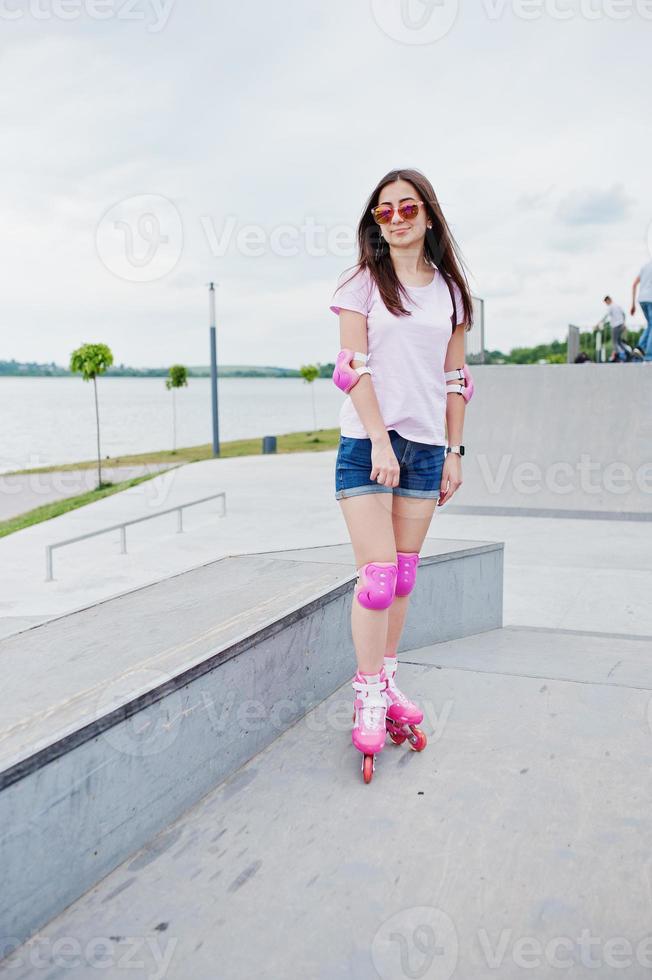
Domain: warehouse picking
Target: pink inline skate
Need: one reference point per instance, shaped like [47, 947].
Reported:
[369, 714]
[403, 715]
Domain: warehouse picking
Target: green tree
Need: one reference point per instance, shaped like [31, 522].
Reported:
[178, 377]
[309, 372]
[91, 360]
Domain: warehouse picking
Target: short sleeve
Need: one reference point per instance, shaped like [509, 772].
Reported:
[352, 292]
[459, 304]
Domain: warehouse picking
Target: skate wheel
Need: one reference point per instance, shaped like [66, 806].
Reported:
[418, 739]
[397, 736]
[367, 768]
[396, 731]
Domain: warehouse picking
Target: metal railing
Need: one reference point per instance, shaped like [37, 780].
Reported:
[594, 344]
[123, 525]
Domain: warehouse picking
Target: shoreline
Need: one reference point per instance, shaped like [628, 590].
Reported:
[289, 442]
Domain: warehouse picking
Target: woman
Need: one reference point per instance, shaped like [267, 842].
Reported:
[403, 312]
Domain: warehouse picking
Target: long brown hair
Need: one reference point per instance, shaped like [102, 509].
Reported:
[440, 248]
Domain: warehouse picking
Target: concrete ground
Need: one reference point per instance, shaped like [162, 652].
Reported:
[572, 574]
[517, 845]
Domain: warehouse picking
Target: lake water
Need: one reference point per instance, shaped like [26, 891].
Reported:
[52, 420]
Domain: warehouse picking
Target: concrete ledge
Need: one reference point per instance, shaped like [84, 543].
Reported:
[575, 515]
[117, 718]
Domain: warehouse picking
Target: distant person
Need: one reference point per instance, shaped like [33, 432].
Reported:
[582, 358]
[616, 316]
[643, 349]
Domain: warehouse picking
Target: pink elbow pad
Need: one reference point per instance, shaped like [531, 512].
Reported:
[463, 375]
[345, 376]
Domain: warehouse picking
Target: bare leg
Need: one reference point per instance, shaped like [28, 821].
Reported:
[411, 518]
[369, 519]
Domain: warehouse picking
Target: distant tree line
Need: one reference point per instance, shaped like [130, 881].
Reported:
[34, 369]
[552, 353]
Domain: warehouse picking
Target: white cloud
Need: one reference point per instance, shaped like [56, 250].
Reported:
[282, 115]
[595, 206]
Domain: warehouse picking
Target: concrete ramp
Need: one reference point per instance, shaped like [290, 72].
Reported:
[116, 719]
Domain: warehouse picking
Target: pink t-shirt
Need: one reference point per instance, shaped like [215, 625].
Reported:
[406, 356]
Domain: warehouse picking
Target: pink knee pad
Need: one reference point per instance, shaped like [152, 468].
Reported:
[407, 571]
[377, 584]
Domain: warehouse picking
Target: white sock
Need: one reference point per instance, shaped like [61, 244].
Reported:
[370, 678]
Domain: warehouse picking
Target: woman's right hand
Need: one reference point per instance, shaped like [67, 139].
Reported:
[385, 468]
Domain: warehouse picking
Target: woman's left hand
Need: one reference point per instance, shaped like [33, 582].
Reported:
[451, 477]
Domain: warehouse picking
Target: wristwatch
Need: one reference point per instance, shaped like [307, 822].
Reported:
[455, 449]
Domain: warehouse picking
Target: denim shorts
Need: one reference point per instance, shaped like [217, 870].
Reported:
[421, 467]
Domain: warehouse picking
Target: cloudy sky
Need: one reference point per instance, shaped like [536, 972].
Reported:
[150, 146]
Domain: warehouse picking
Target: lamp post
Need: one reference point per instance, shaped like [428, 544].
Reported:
[216, 426]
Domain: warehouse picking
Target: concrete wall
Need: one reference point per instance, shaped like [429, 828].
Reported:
[559, 437]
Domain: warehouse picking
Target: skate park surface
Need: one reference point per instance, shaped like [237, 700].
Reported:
[517, 844]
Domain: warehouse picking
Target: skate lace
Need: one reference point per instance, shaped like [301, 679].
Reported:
[372, 707]
[372, 716]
